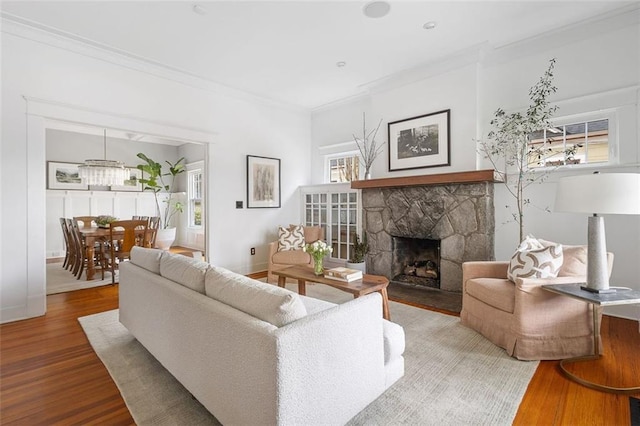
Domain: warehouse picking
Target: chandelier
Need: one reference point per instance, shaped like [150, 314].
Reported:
[103, 172]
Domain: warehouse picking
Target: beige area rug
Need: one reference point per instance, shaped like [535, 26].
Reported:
[60, 280]
[453, 376]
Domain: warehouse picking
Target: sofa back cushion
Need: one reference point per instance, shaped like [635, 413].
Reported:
[267, 302]
[146, 258]
[184, 270]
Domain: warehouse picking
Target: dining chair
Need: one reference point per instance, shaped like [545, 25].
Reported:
[150, 239]
[67, 244]
[81, 253]
[139, 217]
[123, 235]
[87, 221]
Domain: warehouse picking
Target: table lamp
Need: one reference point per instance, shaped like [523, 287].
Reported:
[598, 193]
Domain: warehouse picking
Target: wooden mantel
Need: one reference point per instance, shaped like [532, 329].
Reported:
[474, 176]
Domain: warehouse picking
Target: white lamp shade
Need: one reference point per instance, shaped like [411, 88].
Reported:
[599, 193]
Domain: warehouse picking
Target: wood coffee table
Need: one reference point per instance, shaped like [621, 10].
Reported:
[368, 284]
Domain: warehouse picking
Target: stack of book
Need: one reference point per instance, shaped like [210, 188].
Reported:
[343, 274]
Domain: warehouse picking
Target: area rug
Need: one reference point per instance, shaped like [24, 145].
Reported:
[452, 375]
[60, 280]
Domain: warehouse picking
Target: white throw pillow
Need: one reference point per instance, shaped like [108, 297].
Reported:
[534, 260]
[147, 258]
[267, 302]
[184, 270]
[291, 238]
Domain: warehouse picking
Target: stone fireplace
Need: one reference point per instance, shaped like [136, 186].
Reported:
[454, 209]
[415, 261]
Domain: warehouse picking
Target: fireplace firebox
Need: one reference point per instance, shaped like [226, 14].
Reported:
[415, 261]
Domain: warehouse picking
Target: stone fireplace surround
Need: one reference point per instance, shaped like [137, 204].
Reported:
[455, 208]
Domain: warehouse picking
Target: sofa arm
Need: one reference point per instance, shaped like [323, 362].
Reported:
[339, 353]
[484, 269]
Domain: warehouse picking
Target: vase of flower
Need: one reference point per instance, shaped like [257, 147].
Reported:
[318, 251]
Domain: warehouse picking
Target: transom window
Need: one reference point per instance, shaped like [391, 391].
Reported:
[585, 142]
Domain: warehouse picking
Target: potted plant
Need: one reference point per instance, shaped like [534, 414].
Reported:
[510, 138]
[358, 252]
[156, 180]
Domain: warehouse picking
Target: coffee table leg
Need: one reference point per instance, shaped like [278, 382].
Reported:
[385, 304]
[282, 281]
[302, 290]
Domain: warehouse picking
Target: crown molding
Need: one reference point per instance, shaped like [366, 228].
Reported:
[46, 35]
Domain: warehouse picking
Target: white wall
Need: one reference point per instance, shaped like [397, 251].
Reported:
[597, 69]
[103, 89]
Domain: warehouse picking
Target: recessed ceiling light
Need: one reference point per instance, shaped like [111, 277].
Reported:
[199, 9]
[340, 64]
[376, 9]
[429, 25]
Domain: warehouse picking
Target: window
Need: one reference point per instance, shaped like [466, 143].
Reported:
[343, 167]
[194, 193]
[337, 210]
[584, 142]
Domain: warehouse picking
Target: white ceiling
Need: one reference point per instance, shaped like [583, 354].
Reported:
[287, 50]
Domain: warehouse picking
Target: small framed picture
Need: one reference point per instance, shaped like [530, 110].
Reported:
[62, 175]
[263, 182]
[420, 142]
[131, 184]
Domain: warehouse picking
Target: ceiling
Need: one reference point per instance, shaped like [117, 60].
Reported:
[287, 51]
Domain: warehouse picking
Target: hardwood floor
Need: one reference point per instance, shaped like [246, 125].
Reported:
[50, 375]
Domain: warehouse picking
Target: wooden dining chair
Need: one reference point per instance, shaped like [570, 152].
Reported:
[139, 217]
[86, 221]
[81, 253]
[123, 235]
[67, 244]
[152, 232]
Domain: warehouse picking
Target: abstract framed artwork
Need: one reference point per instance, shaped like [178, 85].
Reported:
[61, 175]
[131, 184]
[419, 142]
[263, 182]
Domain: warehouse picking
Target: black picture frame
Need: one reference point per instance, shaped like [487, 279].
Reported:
[263, 182]
[420, 142]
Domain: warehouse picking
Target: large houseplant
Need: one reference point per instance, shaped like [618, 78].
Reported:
[509, 141]
[357, 253]
[154, 179]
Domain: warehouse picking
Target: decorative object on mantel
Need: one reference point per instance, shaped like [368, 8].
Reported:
[368, 147]
[608, 193]
[154, 180]
[263, 182]
[510, 138]
[103, 172]
[420, 142]
[318, 250]
[61, 175]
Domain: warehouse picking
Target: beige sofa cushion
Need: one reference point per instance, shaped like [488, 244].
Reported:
[496, 292]
[184, 270]
[267, 302]
[291, 257]
[146, 258]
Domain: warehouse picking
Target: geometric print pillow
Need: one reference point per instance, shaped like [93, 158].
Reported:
[533, 260]
[290, 239]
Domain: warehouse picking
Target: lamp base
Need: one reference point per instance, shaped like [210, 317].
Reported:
[598, 290]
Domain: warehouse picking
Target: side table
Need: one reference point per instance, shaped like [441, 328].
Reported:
[621, 297]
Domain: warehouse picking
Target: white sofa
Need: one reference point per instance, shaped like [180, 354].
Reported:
[256, 354]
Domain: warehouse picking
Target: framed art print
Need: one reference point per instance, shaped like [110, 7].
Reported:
[263, 182]
[420, 142]
[62, 175]
[131, 184]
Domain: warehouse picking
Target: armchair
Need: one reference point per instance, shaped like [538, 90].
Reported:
[529, 322]
[282, 259]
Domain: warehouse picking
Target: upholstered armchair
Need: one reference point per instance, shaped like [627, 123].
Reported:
[279, 259]
[530, 323]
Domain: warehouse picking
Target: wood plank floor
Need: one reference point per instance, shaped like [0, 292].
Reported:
[49, 374]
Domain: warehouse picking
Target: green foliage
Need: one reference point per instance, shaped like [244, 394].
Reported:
[154, 180]
[359, 249]
[509, 139]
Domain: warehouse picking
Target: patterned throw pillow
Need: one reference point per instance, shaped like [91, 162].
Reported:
[290, 238]
[533, 260]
